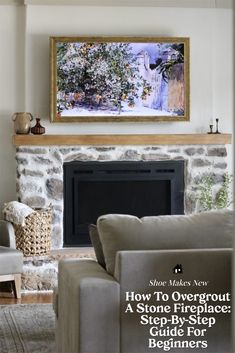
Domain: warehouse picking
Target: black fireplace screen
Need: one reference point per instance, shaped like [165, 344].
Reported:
[92, 189]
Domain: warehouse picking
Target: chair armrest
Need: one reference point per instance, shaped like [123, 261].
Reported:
[88, 308]
[7, 234]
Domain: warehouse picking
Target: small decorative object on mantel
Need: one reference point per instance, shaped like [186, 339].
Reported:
[217, 127]
[22, 122]
[211, 129]
[38, 129]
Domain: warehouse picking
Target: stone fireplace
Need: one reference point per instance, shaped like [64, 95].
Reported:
[40, 178]
[40, 170]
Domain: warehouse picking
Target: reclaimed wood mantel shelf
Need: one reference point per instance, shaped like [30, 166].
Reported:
[114, 140]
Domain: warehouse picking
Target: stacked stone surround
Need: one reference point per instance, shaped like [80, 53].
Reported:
[40, 183]
[40, 171]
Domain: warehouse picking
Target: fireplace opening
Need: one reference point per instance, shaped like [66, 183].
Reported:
[92, 189]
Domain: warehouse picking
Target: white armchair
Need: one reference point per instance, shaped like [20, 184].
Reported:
[11, 260]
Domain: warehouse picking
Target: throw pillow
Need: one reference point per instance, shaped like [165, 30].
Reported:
[95, 240]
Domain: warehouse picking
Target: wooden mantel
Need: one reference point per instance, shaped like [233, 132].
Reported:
[112, 140]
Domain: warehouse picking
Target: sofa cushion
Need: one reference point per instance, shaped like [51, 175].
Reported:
[95, 240]
[212, 229]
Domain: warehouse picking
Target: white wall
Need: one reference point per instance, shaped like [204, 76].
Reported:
[210, 33]
[211, 65]
[11, 93]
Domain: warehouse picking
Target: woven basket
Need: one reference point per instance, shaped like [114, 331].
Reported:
[34, 238]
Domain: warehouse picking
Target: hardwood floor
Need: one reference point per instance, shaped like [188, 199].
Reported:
[29, 298]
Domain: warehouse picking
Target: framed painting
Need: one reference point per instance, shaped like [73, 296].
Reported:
[119, 79]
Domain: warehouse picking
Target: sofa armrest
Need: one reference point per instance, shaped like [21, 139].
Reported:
[153, 271]
[88, 308]
[7, 234]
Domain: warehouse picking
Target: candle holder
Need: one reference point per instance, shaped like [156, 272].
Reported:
[211, 129]
[217, 126]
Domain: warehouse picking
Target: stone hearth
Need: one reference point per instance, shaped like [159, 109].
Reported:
[40, 272]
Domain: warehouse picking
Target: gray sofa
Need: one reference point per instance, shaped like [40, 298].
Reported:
[165, 254]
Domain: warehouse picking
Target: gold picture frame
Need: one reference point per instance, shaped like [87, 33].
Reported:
[119, 79]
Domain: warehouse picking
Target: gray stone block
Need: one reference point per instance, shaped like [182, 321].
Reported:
[199, 162]
[54, 170]
[153, 148]
[54, 188]
[218, 178]
[217, 152]
[190, 202]
[28, 187]
[180, 158]
[191, 151]
[32, 150]
[79, 157]
[34, 201]
[32, 173]
[58, 156]
[21, 160]
[103, 149]
[65, 150]
[104, 157]
[155, 157]
[222, 165]
[130, 155]
[42, 160]
[173, 150]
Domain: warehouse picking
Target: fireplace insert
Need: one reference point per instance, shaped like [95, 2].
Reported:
[92, 189]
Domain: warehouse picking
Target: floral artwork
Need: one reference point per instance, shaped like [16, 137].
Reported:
[100, 79]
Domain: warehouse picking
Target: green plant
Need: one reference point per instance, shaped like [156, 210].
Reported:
[205, 192]
[208, 199]
[223, 198]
